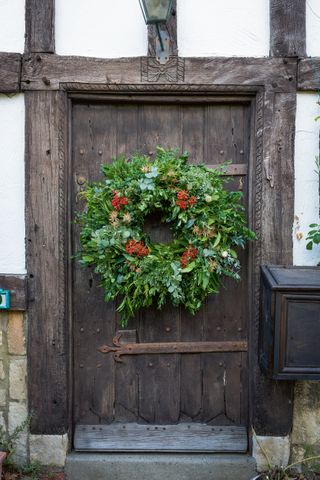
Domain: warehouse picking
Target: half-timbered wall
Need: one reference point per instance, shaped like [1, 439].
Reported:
[205, 29]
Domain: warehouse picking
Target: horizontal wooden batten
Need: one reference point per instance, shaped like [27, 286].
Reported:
[309, 74]
[184, 437]
[49, 72]
[10, 71]
[17, 285]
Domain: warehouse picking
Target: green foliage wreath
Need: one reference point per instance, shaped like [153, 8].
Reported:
[207, 222]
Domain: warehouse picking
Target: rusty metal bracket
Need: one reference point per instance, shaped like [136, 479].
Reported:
[119, 349]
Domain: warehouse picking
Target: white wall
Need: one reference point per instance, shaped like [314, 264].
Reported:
[12, 13]
[306, 179]
[12, 225]
[223, 28]
[313, 27]
[100, 28]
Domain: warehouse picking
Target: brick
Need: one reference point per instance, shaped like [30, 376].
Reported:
[16, 337]
[18, 379]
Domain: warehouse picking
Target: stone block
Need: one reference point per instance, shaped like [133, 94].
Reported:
[270, 450]
[161, 466]
[49, 449]
[306, 414]
[3, 398]
[16, 337]
[18, 379]
[2, 371]
[18, 413]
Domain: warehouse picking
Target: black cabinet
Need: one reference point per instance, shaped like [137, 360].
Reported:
[289, 346]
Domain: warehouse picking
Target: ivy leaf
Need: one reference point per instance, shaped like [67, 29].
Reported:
[309, 246]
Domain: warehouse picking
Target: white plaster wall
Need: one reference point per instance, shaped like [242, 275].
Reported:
[223, 28]
[306, 179]
[100, 28]
[12, 26]
[12, 224]
[313, 27]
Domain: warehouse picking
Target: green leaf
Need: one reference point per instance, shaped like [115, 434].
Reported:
[309, 246]
[217, 240]
[189, 268]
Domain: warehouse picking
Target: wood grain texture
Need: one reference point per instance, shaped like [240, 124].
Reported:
[10, 72]
[288, 28]
[46, 137]
[50, 72]
[309, 74]
[40, 16]
[17, 284]
[274, 211]
[185, 437]
[170, 29]
[157, 388]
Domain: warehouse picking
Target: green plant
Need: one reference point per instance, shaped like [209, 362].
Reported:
[308, 466]
[32, 470]
[207, 221]
[8, 441]
[313, 237]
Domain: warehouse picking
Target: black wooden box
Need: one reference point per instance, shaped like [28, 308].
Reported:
[289, 341]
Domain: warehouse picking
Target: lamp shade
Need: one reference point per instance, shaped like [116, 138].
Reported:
[156, 11]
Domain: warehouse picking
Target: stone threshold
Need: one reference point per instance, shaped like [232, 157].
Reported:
[160, 466]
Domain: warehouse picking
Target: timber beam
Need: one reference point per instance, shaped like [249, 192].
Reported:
[50, 72]
[309, 74]
[10, 71]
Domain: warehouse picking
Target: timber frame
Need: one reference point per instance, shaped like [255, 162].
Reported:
[49, 82]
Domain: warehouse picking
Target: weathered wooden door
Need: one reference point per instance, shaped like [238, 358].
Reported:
[187, 401]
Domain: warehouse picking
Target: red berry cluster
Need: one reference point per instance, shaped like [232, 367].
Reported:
[184, 201]
[190, 254]
[136, 248]
[118, 201]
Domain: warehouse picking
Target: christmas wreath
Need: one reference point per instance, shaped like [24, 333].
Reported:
[207, 222]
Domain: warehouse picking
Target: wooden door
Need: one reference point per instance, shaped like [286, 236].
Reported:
[195, 402]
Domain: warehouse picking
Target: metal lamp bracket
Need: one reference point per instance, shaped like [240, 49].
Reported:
[162, 46]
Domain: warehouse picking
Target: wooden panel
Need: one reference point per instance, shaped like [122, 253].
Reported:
[309, 74]
[49, 71]
[157, 389]
[94, 373]
[159, 377]
[288, 28]
[17, 284]
[40, 26]
[184, 437]
[274, 212]
[46, 138]
[10, 71]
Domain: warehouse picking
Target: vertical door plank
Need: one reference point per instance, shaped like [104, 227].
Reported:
[126, 380]
[159, 377]
[46, 150]
[192, 325]
[94, 320]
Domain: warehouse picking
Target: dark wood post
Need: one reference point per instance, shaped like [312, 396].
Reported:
[40, 26]
[288, 28]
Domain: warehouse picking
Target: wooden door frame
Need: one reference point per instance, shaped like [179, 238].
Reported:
[48, 123]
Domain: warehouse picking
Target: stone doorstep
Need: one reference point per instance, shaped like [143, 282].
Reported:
[123, 466]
